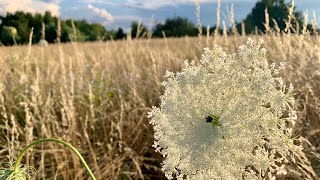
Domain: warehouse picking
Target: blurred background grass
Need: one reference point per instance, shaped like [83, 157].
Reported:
[96, 95]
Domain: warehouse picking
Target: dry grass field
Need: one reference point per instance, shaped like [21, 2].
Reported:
[97, 95]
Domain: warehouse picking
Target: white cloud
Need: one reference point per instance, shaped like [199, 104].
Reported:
[129, 18]
[102, 13]
[52, 1]
[33, 6]
[90, 1]
[152, 5]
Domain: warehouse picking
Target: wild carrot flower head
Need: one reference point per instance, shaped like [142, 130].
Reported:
[225, 118]
[23, 172]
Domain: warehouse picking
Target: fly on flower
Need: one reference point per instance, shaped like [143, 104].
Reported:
[209, 119]
[214, 120]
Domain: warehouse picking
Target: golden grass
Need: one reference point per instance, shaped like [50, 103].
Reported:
[96, 96]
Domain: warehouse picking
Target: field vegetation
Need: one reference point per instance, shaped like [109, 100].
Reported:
[96, 95]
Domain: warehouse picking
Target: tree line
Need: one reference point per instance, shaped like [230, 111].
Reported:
[15, 28]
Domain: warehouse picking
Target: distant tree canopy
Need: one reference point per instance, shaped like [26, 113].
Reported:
[175, 27]
[119, 34]
[277, 10]
[138, 29]
[23, 22]
[15, 28]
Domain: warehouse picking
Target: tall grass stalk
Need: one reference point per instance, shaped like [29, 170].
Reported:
[17, 164]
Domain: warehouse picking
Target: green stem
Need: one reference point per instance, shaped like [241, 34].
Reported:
[16, 165]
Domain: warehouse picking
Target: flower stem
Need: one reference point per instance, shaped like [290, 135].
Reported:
[69, 146]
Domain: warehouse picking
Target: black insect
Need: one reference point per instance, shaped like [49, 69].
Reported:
[214, 119]
[209, 119]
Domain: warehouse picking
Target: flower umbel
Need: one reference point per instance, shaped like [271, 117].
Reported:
[226, 118]
[17, 171]
[23, 172]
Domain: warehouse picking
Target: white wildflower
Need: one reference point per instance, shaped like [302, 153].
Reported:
[43, 43]
[225, 118]
[23, 172]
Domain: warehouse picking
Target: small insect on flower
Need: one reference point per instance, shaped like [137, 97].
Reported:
[213, 121]
[209, 119]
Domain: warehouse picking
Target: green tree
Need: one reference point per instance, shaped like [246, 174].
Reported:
[73, 33]
[37, 27]
[23, 23]
[65, 31]
[176, 27]
[277, 10]
[138, 29]
[97, 32]
[51, 33]
[120, 34]
[92, 32]
[48, 18]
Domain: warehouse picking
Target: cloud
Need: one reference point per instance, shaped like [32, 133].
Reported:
[153, 5]
[99, 2]
[90, 1]
[33, 6]
[52, 1]
[102, 13]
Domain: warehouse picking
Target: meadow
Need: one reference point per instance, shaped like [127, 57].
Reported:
[97, 96]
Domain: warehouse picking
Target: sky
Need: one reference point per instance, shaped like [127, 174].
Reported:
[120, 13]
